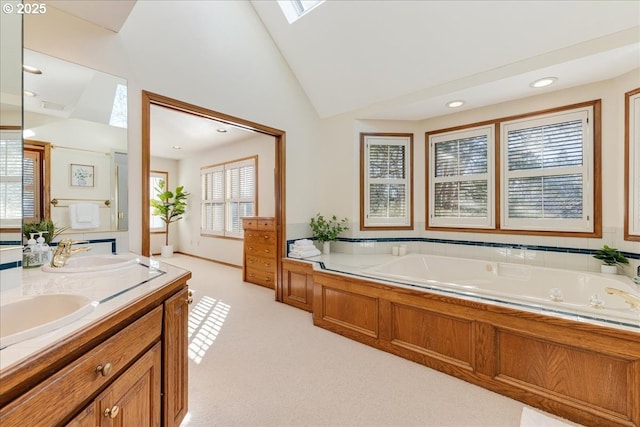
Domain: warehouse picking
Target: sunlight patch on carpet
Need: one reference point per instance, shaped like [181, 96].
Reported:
[205, 323]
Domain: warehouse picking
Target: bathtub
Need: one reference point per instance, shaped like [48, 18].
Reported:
[571, 294]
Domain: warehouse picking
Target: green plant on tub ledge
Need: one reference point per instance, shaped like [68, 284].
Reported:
[326, 229]
[46, 226]
[611, 257]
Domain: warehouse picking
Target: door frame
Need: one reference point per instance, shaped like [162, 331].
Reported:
[149, 99]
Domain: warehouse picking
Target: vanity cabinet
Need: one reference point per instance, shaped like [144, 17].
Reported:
[127, 369]
[297, 284]
[260, 249]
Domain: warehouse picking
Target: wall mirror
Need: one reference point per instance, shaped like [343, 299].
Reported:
[75, 143]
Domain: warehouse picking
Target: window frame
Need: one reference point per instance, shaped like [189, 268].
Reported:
[595, 192]
[225, 201]
[632, 166]
[405, 139]
[586, 170]
[163, 175]
[434, 138]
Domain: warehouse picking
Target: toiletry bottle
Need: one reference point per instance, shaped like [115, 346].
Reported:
[29, 257]
[43, 249]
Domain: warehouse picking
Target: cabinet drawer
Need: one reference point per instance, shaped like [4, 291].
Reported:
[49, 403]
[261, 277]
[260, 250]
[259, 223]
[259, 263]
[258, 236]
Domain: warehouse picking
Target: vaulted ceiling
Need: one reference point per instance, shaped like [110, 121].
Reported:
[405, 60]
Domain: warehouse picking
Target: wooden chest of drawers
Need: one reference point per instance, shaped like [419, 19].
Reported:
[260, 249]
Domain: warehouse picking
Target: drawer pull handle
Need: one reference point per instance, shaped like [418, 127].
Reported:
[112, 412]
[266, 236]
[267, 251]
[190, 300]
[104, 370]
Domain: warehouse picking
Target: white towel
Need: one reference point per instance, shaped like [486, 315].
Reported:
[303, 242]
[84, 216]
[295, 253]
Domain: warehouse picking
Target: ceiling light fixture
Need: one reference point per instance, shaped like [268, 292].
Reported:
[455, 104]
[543, 82]
[29, 93]
[221, 130]
[177, 147]
[32, 70]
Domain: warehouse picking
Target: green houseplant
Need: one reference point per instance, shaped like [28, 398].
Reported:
[46, 225]
[169, 206]
[610, 257]
[326, 229]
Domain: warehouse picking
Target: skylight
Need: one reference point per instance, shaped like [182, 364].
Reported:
[295, 9]
[119, 110]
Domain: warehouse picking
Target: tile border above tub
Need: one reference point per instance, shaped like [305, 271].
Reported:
[560, 249]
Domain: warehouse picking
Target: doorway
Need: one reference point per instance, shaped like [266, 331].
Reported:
[151, 99]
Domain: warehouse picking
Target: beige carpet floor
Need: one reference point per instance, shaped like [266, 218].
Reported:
[257, 362]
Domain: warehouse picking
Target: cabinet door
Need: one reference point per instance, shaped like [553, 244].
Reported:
[134, 398]
[176, 358]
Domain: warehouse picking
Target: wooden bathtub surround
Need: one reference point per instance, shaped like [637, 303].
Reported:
[297, 284]
[586, 373]
[127, 369]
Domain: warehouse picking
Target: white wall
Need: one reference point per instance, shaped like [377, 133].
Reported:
[217, 55]
[225, 249]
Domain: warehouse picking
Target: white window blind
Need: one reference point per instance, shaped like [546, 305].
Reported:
[228, 195]
[11, 178]
[461, 178]
[387, 183]
[547, 178]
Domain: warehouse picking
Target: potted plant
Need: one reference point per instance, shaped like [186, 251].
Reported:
[46, 226]
[326, 230]
[611, 257]
[169, 206]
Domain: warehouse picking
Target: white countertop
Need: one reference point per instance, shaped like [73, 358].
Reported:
[112, 289]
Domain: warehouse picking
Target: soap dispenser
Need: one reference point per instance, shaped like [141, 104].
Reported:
[29, 256]
[42, 249]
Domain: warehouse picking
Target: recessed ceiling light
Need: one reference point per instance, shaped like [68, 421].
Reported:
[28, 93]
[455, 104]
[546, 81]
[221, 130]
[32, 70]
[177, 147]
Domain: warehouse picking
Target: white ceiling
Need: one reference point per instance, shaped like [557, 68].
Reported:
[404, 60]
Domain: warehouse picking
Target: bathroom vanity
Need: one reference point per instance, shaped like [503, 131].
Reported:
[124, 366]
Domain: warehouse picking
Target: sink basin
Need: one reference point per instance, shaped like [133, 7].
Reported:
[85, 264]
[26, 317]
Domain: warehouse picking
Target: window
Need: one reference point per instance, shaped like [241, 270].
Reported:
[156, 225]
[632, 165]
[295, 9]
[386, 180]
[547, 172]
[11, 178]
[119, 109]
[461, 178]
[228, 195]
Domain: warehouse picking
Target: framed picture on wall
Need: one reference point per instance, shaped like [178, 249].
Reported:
[81, 175]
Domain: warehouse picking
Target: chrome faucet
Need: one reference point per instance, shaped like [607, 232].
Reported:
[64, 252]
[632, 300]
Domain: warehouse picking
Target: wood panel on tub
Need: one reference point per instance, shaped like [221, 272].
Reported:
[584, 372]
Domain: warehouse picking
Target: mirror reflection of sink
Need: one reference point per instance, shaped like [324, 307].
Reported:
[26, 317]
[86, 264]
